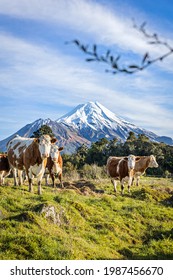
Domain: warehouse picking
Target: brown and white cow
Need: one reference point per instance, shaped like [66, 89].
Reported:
[4, 168]
[29, 154]
[142, 165]
[54, 165]
[121, 168]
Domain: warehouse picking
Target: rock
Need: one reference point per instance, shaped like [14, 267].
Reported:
[49, 212]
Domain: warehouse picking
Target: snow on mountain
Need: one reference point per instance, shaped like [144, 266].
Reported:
[85, 124]
[93, 121]
[90, 114]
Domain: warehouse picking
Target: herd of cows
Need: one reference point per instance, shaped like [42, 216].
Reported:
[33, 156]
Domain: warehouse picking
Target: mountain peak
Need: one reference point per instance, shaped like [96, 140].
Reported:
[91, 114]
[94, 121]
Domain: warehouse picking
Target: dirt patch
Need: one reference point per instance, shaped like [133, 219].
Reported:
[83, 187]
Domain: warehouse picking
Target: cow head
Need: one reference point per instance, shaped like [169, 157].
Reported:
[153, 162]
[44, 143]
[131, 159]
[54, 152]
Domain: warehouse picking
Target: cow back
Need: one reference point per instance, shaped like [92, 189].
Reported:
[22, 152]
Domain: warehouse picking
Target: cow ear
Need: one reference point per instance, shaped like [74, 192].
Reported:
[53, 140]
[36, 140]
[60, 149]
[137, 158]
[125, 158]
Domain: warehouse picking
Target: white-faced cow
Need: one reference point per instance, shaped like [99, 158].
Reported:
[142, 165]
[54, 165]
[4, 168]
[121, 168]
[29, 154]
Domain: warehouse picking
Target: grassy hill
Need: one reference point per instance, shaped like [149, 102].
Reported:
[83, 222]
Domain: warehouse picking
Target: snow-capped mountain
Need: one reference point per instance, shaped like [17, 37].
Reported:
[93, 121]
[85, 124]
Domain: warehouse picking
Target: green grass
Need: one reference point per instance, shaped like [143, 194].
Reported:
[89, 224]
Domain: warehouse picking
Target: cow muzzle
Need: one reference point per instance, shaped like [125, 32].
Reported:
[45, 156]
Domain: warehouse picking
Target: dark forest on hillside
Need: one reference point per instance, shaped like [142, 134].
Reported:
[99, 151]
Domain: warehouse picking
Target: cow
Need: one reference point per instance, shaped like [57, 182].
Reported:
[54, 165]
[142, 165]
[4, 168]
[29, 154]
[121, 168]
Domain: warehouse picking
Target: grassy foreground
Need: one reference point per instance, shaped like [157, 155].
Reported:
[82, 222]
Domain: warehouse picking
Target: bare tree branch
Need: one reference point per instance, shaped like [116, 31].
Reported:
[113, 61]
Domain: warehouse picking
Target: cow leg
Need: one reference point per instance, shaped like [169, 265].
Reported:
[39, 185]
[20, 174]
[30, 176]
[39, 179]
[3, 175]
[61, 182]
[39, 188]
[53, 180]
[30, 185]
[130, 183]
[122, 188]
[47, 179]
[137, 181]
[122, 185]
[114, 184]
[14, 170]
[1, 178]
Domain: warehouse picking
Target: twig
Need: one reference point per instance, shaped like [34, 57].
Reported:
[114, 61]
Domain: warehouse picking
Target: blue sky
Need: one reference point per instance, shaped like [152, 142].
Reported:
[42, 77]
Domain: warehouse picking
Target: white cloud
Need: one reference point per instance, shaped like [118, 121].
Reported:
[31, 65]
[35, 75]
[89, 17]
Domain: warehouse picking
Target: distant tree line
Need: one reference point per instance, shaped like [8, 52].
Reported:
[99, 152]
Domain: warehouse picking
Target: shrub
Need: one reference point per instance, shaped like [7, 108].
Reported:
[92, 171]
[167, 174]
